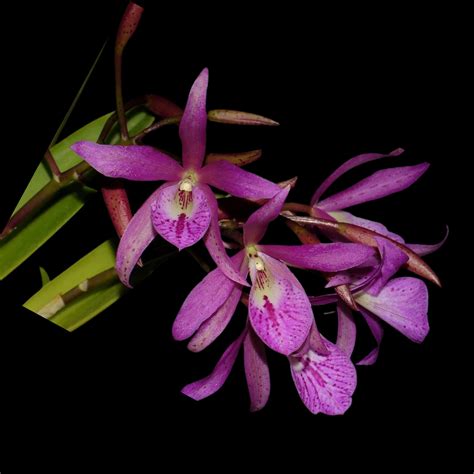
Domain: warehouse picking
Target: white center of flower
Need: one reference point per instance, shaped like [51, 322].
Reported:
[186, 185]
[259, 265]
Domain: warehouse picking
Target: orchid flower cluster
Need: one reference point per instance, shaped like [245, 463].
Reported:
[359, 260]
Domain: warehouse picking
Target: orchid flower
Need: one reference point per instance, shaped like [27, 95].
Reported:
[184, 209]
[400, 302]
[279, 309]
[323, 374]
[380, 184]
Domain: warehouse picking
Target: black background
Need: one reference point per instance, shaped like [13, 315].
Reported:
[340, 83]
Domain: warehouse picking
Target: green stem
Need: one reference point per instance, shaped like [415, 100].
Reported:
[89, 284]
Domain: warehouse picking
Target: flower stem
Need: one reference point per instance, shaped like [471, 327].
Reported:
[119, 100]
[51, 162]
[298, 207]
[156, 126]
[128, 25]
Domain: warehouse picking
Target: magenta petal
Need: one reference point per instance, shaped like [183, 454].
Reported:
[192, 129]
[257, 223]
[392, 260]
[137, 163]
[376, 329]
[204, 300]
[343, 216]
[325, 383]
[322, 257]
[236, 181]
[213, 382]
[182, 218]
[213, 241]
[380, 184]
[346, 329]
[357, 277]
[348, 165]
[136, 238]
[213, 327]
[279, 309]
[426, 249]
[403, 303]
[257, 372]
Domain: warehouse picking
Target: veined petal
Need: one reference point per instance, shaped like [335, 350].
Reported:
[279, 309]
[136, 163]
[346, 329]
[358, 276]
[322, 257]
[136, 238]
[343, 216]
[213, 382]
[325, 383]
[236, 181]
[257, 372]
[181, 217]
[376, 329]
[204, 300]
[403, 303]
[348, 165]
[257, 223]
[382, 183]
[192, 129]
[393, 258]
[213, 241]
[426, 249]
[213, 327]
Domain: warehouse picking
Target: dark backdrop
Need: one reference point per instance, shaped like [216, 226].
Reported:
[340, 83]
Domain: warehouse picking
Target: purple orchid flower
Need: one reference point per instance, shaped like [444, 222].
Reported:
[380, 184]
[279, 315]
[323, 374]
[400, 302]
[279, 309]
[184, 209]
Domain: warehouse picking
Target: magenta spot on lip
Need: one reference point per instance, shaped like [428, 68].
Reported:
[268, 305]
[180, 224]
[185, 198]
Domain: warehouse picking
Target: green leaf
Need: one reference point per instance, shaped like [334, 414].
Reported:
[83, 309]
[24, 241]
[91, 303]
[19, 245]
[44, 276]
[138, 120]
